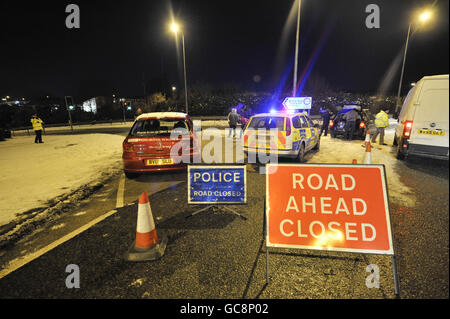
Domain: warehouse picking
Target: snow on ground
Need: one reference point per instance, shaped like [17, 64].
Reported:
[337, 150]
[32, 174]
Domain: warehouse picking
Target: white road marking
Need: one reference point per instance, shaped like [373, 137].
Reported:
[58, 226]
[120, 192]
[19, 262]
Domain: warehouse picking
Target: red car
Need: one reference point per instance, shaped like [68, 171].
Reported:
[159, 142]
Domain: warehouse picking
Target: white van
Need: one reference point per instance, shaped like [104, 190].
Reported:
[423, 120]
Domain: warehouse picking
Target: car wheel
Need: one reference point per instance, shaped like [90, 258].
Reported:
[332, 135]
[301, 154]
[399, 153]
[317, 146]
[131, 175]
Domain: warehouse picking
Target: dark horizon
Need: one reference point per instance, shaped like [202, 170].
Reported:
[121, 44]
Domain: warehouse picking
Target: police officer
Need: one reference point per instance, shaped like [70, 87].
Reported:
[350, 122]
[37, 127]
[233, 120]
[381, 122]
[326, 115]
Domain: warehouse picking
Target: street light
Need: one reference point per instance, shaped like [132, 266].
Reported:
[422, 18]
[294, 85]
[175, 29]
[425, 16]
[69, 107]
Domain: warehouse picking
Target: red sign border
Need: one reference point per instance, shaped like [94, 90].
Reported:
[382, 169]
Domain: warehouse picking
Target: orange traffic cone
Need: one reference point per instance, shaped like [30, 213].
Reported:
[146, 246]
[367, 140]
[354, 161]
[368, 154]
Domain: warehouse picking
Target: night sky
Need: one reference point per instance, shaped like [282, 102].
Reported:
[120, 43]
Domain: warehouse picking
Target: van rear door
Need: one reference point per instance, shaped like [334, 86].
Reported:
[430, 124]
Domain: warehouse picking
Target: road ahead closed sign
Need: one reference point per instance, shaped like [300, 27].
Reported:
[217, 184]
[328, 207]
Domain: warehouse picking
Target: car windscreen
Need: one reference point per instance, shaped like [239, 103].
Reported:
[267, 122]
[159, 127]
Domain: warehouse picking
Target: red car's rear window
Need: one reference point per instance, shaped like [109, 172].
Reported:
[159, 127]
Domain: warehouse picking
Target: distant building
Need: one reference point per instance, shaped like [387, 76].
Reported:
[96, 103]
[90, 105]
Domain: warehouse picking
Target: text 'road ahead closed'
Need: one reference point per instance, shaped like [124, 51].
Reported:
[332, 207]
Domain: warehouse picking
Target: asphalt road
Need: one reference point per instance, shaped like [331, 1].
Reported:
[219, 255]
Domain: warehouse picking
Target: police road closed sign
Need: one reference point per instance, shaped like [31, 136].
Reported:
[217, 184]
[328, 207]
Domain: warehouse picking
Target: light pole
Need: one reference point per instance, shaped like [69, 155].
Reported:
[294, 85]
[423, 17]
[68, 110]
[175, 28]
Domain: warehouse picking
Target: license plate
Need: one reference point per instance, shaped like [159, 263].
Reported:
[159, 162]
[431, 132]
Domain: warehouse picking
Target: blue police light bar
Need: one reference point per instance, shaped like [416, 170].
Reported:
[351, 106]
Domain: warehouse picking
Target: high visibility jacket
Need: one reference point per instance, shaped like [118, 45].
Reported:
[382, 119]
[37, 124]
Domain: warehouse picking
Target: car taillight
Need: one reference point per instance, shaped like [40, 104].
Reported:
[407, 129]
[362, 125]
[288, 127]
[331, 123]
[128, 147]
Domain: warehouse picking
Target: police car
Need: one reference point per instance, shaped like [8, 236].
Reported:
[287, 134]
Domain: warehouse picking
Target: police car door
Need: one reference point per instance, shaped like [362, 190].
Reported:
[314, 132]
[305, 132]
[296, 135]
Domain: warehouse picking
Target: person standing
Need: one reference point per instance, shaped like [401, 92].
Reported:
[37, 127]
[381, 122]
[350, 122]
[233, 120]
[326, 115]
[244, 122]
